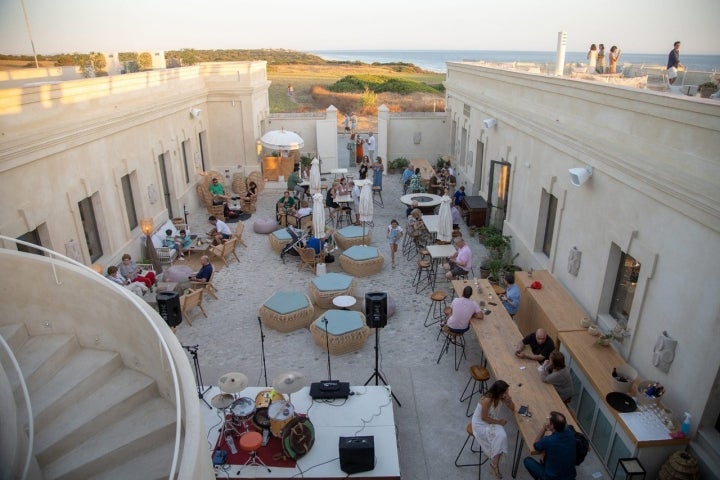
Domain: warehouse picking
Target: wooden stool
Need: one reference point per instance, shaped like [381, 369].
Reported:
[250, 442]
[378, 190]
[437, 304]
[458, 342]
[479, 375]
[423, 267]
[480, 462]
[632, 468]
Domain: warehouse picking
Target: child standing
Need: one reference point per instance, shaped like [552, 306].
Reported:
[394, 234]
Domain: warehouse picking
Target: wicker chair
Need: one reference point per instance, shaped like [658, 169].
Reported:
[309, 259]
[218, 211]
[258, 179]
[238, 185]
[189, 300]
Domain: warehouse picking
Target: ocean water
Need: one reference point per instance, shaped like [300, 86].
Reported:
[434, 60]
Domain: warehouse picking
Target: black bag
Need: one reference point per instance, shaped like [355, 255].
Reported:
[329, 258]
[582, 445]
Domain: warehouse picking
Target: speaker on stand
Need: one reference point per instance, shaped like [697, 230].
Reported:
[376, 317]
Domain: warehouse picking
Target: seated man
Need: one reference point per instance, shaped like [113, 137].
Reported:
[558, 451]
[218, 191]
[285, 205]
[511, 297]
[405, 180]
[460, 262]
[541, 346]
[203, 275]
[220, 231]
[463, 309]
[317, 244]
[293, 183]
[459, 195]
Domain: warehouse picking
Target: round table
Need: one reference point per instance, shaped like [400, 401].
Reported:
[426, 201]
[344, 301]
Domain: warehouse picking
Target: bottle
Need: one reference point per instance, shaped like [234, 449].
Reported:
[614, 372]
[685, 427]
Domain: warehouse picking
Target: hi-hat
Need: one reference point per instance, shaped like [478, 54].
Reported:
[289, 382]
[222, 400]
[233, 382]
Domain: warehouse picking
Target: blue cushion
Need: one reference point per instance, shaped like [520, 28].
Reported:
[287, 302]
[361, 252]
[282, 234]
[340, 322]
[332, 282]
[352, 231]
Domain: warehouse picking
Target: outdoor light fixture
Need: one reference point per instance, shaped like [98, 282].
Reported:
[489, 123]
[258, 147]
[195, 112]
[147, 225]
[578, 176]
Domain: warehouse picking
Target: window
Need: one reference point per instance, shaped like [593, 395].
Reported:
[624, 290]
[129, 202]
[30, 237]
[550, 212]
[186, 157]
[92, 236]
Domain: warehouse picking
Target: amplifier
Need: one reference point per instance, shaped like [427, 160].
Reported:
[357, 454]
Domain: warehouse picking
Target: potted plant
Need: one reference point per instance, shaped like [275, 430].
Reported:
[706, 89]
[397, 165]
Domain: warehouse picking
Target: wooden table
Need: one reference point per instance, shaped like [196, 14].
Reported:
[550, 307]
[426, 170]
[498, 335]
[438, 253]
[426, 201]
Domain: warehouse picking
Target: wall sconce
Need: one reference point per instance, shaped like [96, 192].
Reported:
[195, 112]
[258, 147]
[489, 123]
[578, 176]
[96, 267]
[147, 225]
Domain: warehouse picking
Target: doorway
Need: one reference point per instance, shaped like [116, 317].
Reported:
[498, 193]
[164, 175]
[90, 228]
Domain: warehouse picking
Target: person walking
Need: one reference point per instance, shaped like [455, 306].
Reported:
[353, 122]
[674, 62]
[613, 58]
[370, 141]
[347, 123]
[600, 59]
[359, 150]
[394, 234]
[592, 56]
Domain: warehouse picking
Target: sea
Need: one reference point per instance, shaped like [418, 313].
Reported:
[434, 60]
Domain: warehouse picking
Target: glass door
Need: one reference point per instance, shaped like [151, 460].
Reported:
[499, 192]
[167, 198]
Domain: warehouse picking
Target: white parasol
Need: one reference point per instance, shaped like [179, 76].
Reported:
[315, 186]
[318, 216]
[365, 208]
[444, 220]
[282, 140]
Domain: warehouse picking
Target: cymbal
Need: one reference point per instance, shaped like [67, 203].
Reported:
[289, 382]
[233, 382]
[222, 400]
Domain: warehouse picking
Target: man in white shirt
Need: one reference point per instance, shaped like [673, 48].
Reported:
[371, 147]
[220, 230]
[459, 263]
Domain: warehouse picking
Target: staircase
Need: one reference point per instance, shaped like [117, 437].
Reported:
[93, 416]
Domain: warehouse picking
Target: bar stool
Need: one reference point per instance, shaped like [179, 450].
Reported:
[632, 468]
[378, 190]
[423, 268]
[480, 462]
[344, 213]
[438, 302]
[250, 442]
[479, 375]
[458, 342]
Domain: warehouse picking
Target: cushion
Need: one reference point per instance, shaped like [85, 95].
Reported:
[361, 252]
[282, 234]
[286, 302]
[331, 282]
[352, 231]
[340, 322]
[264, 225]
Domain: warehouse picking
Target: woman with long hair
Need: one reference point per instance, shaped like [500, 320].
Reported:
[488, 428]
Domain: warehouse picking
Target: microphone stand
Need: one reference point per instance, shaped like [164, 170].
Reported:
[193, 350]
[262, 348]
[327, 348]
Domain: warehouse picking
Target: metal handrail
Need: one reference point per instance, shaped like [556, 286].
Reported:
[163, 344]
[26, 395]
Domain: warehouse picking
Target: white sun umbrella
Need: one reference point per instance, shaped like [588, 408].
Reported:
[282, 140]
[315, 186]
[365, 208]
[318, 216]
[444, 220]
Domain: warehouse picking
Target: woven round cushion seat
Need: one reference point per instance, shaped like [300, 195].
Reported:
[287, 311]
[391, 306]
[324, 288]
[351, 235]
[346, 331]
[278, 239]
[479, 373]
[438, 296]
[361, 261]
[264, 225]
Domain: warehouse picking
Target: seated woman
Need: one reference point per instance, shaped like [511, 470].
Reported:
[416, 182]
[132, 273]
[173, 242]
[555, 373]
[330, 201]
[252, 192]
[488, 428]
[416, 228]
[285, 205]
[138, 288]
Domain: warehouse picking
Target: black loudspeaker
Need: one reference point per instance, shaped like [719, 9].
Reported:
[357, 454]
[169, 308]
[376, 309]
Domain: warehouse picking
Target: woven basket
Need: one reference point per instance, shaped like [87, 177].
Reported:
[361, 268]
[680, 466]
[341, 344]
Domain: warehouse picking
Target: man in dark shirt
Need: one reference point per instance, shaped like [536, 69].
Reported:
[558, 450]
[674, 62]
[541, 346]
[203, 275]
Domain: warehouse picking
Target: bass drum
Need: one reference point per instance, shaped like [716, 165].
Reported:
[263, 400]
[280, 414]
[298, 437]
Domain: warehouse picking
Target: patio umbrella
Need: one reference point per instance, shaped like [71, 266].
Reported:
[444, 220]
[365, 208]
[318, 215]
[282, 140]
[315, 186]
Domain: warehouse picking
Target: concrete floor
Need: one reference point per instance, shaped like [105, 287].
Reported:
[431, 422]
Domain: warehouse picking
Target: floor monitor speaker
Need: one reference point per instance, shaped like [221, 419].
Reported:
[376, 309]
[169, 307]
[357, 454]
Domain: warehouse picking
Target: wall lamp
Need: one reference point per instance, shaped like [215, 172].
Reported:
[489, 123]
[195, 112]
[578, 176]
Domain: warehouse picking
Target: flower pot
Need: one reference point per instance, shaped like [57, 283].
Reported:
[705, 92]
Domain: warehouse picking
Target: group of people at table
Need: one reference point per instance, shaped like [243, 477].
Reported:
[442, 180]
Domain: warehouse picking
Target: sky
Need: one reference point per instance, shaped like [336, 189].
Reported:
[635, 26]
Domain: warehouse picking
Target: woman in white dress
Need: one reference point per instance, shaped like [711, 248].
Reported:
[592, 56]
[488, 428]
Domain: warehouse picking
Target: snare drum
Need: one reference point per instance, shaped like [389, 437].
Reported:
[280, 414]
[242, 410]
[263, 400]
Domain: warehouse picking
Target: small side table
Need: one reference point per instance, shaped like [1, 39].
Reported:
[632, 468]
[344, 302]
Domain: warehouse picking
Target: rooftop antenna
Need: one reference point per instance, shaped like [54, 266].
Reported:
[27, 24]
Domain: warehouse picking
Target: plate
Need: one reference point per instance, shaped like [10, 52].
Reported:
[621, 402]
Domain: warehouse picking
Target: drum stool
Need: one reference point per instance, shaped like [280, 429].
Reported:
[458, 342]
[479, 375]
[438, 302]
[423, 269]
[250, 442]
[480, 462]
